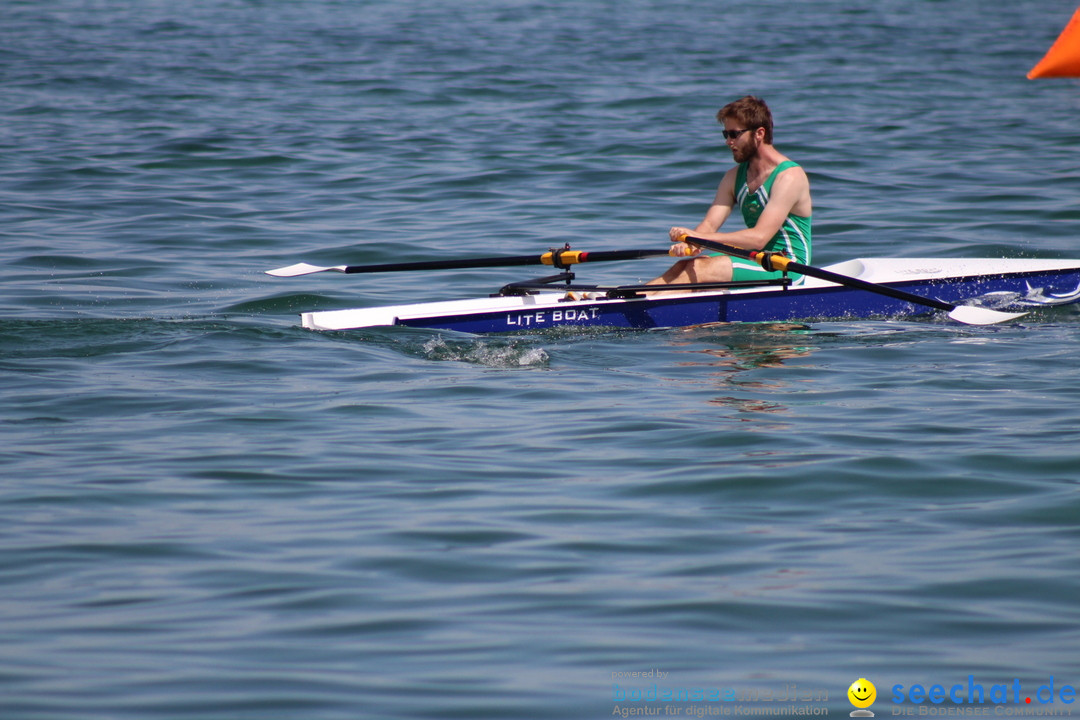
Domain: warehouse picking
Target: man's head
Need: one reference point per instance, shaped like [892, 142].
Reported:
[748, 113]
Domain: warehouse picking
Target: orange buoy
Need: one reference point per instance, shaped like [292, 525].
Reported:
[1063, 57]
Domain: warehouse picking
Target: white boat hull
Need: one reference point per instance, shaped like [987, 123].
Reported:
[1021, 283]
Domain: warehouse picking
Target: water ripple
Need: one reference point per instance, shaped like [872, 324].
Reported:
[208, 511]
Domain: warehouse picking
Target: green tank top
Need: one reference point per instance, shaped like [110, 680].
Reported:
[793, 238]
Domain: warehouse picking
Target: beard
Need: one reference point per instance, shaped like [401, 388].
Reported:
[745, 153]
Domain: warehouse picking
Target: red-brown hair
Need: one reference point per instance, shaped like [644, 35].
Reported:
[750, 112]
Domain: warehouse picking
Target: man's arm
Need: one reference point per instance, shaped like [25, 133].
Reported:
[790, 191]
[715, 217]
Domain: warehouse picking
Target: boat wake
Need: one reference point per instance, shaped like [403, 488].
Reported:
[1039, 296]
[1035, 297]
[509, 354]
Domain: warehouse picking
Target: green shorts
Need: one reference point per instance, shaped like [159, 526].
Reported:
[743, 270]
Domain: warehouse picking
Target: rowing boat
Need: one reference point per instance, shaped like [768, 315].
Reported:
[878, 288]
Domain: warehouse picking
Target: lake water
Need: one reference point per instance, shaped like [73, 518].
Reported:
[208, 512]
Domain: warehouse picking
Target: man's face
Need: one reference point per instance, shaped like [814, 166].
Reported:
[741, 140]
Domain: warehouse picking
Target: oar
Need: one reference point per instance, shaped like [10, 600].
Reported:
[968, 314]
[558, 258]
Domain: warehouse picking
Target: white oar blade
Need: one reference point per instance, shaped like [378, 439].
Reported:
[302, 269]
[971, 315]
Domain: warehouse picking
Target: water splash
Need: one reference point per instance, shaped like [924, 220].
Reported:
[512, 353]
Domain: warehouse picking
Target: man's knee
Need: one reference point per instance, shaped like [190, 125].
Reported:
[714, 269]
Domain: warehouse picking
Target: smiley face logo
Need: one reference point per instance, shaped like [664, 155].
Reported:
[862, 693]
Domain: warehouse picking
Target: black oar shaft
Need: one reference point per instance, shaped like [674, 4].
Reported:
[609, 255]
[871, 287]
[773, 261]
[446, 264]
[558, 258]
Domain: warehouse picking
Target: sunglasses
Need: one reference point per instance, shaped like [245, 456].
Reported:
[733, 134]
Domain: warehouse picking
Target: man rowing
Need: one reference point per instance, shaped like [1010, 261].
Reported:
[772, 192]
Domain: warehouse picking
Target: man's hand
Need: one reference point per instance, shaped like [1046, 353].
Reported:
[681, 248]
